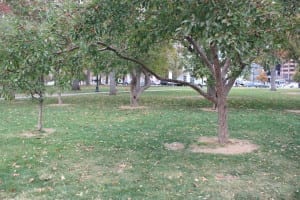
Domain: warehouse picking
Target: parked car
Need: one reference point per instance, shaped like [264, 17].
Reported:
[291, 85]
[261, 85]
[50, 83]
[170, 83]
[248, 84]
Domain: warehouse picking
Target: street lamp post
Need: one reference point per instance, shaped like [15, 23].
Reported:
[253, 75]
[97, 84]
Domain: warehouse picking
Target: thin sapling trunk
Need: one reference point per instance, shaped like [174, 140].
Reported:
[59, 98]
[40, 115]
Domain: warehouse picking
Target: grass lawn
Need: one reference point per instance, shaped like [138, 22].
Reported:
[100, 151]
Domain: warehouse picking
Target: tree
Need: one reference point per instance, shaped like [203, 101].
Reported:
[224, 35]
[233, 31]
[262, 76]
[87, 31]
[160, 58]
[296, 76]
[27, 60]
[31, 50]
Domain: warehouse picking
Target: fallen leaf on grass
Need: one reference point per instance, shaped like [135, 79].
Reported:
[15, 165]
[45, 189]
[31, 180]
[225, 177]
[45, 177]
[79, 194]
[195, 185]
[174, 146]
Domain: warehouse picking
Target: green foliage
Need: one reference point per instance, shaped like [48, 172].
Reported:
[239, 30]
[27, 57]
[296, 76]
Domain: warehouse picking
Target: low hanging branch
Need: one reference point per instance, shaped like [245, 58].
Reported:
[201, 54]
[67, 50]
[146, 68]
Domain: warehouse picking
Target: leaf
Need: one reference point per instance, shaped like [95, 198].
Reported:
[31, 180]
[204, 179]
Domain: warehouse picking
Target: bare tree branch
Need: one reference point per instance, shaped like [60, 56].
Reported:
[226, 67]
[215, 56]
[143, 66]
[67, 50]
[217, 69]
[201, 54]
[147, 81]
[232, 79]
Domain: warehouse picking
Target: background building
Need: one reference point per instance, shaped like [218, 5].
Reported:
[288, 70]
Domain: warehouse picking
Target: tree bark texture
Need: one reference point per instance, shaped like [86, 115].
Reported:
[136, 89]
[75, 85]
[134, 84]
[273, 77]
[223, 133]
[211, 90]
[112, 83]
[106, 78]
[59, 98]
[40, 116]
[88, 74]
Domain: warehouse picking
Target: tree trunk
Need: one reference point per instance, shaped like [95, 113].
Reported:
[211, 91]
[75, 85]
[88, 75]
[223, 133]
[59, 97]
[273, 77]
[134, 98]
[40, 116]
[135, 86]
[112, 84]
[106, 79]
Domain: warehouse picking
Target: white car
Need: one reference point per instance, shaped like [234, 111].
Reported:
[50, 83]
[291, 85]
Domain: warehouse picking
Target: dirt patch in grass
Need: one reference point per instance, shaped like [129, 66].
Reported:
[86, 171]
[211, 145]
[43, 189]
[174, 146]
[82, 147]
[220, 177]
[59, 105]
[209, 109]
[171, 174]
[189, 97]
[132, 107]
[38, 134]
[293, 93]
[293, 111]
[120, 168]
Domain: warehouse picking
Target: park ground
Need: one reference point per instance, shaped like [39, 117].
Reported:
[95, 148]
